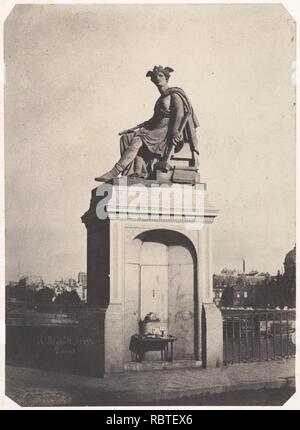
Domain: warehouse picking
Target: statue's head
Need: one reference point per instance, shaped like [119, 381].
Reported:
[159, 72]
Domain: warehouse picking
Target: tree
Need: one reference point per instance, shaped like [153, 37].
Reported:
[68, 298]
[22, 291]
[44, 296]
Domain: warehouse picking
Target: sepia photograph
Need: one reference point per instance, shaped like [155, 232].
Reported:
[150, 205]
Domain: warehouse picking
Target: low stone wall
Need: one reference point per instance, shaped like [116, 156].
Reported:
[69, 340]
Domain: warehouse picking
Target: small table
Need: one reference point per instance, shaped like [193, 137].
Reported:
[139, 344]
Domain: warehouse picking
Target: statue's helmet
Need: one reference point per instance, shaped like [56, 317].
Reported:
[160, 69]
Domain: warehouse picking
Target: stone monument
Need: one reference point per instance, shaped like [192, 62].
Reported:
[149, 243]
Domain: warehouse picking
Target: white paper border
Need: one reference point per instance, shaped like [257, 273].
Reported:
[293, 7]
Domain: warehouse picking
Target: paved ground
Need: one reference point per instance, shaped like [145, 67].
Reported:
[234, 385]
[261, 397]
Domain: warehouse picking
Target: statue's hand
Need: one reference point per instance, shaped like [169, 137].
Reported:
[177, 138]
[129, 130]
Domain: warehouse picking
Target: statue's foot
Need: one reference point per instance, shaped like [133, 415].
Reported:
[135, 175]
[108, 176]
[138, 175]
[163, 166]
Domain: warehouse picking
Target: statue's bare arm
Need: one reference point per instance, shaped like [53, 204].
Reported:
[143, 124]
[177, 114]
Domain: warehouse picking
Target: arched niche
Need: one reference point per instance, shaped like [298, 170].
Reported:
[162, 278]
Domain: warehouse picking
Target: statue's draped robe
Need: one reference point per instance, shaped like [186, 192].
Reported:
[155, 133]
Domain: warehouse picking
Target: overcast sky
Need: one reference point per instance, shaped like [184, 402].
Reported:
[75, 77]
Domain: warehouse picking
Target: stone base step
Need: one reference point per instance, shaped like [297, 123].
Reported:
[161, 365]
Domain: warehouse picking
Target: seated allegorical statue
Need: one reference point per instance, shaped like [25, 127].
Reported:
[149, 145]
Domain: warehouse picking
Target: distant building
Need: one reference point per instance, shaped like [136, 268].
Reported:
[290, 265]
[82, 278]
[234, 288]
[82, 286]
[71, 284]
[241, 295]
[257, 289]
[218, 293]
[82, 293]
[289, 276]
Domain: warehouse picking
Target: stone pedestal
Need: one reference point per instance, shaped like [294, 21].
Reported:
[212, 336]
[149, 246]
